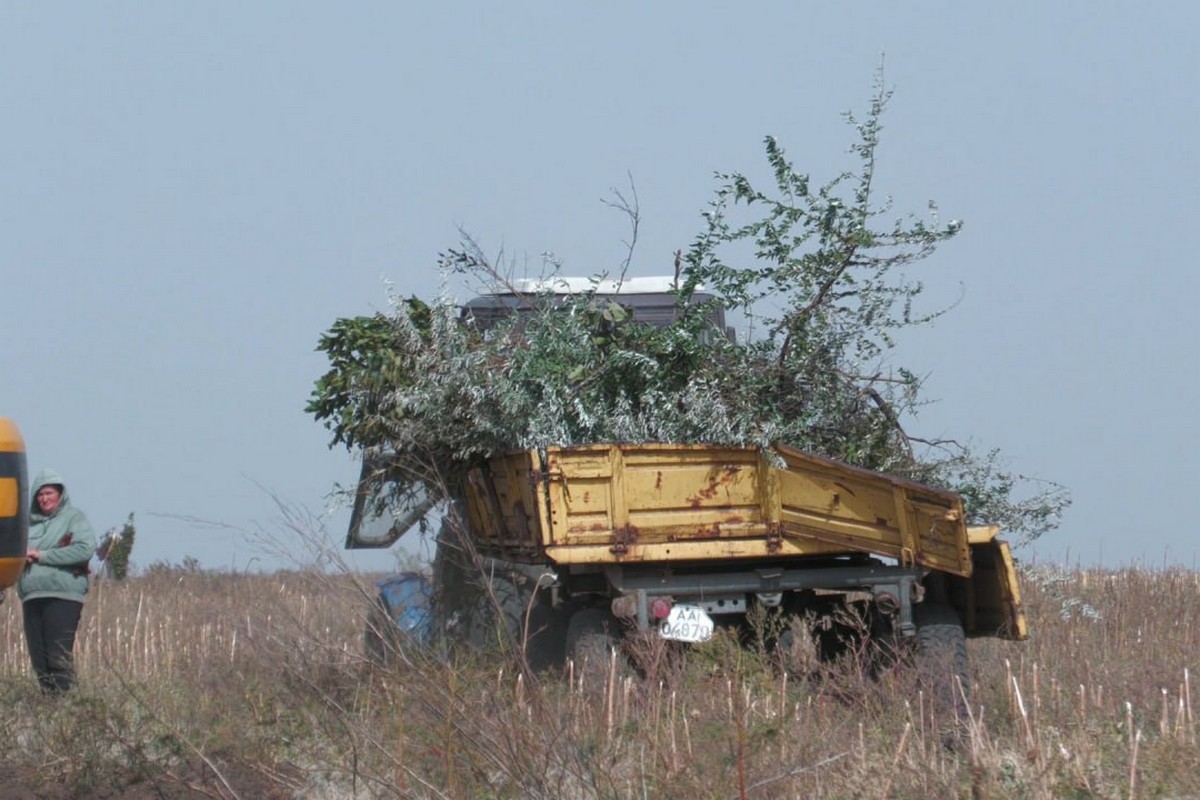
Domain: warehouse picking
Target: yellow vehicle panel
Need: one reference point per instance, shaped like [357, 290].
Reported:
[989, 602]
[14, 516]
[610, 503]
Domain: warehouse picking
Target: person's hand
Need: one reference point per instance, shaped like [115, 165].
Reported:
[33, 555]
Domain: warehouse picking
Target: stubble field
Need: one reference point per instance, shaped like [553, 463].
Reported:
[195, 684]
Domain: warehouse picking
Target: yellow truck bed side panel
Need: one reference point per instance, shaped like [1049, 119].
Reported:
[604, 504]
[865, 511]
[502, 509]
[989, 602]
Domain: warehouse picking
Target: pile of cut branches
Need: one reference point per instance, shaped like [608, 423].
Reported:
[438, 394]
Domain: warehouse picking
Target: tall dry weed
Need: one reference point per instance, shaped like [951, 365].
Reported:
[247, 685]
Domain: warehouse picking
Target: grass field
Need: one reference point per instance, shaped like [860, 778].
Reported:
[197, 684]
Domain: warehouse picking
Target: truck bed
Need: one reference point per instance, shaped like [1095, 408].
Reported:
[641, 503]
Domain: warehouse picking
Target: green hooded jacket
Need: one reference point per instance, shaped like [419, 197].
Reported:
[66, 542]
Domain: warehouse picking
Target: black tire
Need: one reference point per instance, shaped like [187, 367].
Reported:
[544, 629]
[492, 619]
[592, 635]
[511, 611]
[940, 654]
[451, 589]
[483, 604]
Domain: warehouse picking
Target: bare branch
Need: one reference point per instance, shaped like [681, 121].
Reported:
[630, 208]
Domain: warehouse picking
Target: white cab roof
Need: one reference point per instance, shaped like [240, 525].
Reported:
[564, 285]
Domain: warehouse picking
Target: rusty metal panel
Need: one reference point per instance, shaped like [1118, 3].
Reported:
[866, 511]
[611, 503]
[579, 496]
[757, 547]
[990, 603]
[650, 492]
[502, 508]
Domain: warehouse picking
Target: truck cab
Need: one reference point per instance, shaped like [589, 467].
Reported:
[647, 300]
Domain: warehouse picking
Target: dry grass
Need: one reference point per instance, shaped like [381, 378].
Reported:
[261, 681]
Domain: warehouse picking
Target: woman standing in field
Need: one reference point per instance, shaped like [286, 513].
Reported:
[55, 580]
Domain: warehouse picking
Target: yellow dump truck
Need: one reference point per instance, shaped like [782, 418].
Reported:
[578, 545]
[682, 538]
[650, 528]
[14, 509]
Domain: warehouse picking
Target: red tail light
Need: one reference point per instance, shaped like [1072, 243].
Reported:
[660, 607]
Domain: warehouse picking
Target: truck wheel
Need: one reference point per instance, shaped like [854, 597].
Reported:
[592, 635]
[453, 591]
[941, 657]
[486, 604]
[516, 614]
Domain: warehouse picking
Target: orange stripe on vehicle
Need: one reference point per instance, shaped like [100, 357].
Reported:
[10, 497]
[10, 571]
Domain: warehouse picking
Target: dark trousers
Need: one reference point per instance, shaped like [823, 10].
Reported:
[50, 626]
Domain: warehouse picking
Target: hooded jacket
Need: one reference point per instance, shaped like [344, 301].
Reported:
[66, 542]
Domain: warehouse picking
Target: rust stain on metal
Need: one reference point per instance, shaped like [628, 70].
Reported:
[521, 522]
[728, 473]
[774, 538]
[622, 538]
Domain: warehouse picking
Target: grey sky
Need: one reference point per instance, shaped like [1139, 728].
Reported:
[193, 192]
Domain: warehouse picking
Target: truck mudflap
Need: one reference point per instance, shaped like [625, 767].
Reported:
[989, 601]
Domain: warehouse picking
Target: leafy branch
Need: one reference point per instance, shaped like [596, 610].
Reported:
[439, 392]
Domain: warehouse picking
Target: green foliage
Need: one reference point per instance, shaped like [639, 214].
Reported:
[818, 270]
[116, 545]
[367, 361]
[834, 273]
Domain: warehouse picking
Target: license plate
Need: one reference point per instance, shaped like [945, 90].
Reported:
[686, 623]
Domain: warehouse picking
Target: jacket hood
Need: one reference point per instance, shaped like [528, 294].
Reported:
[43, 478]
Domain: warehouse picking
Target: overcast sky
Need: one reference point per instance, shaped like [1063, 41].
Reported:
[193, 192]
